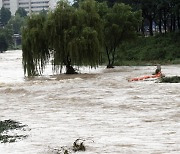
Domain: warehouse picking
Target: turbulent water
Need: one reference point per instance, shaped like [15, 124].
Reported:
[100, 106]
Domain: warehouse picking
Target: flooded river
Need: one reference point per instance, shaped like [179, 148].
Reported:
[112, 115]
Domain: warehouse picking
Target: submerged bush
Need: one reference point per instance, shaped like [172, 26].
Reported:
[78, 146]
[174, 79]
[7, 125]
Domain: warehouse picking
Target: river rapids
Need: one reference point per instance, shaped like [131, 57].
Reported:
[99, 106]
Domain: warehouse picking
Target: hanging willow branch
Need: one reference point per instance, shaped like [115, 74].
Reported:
[72, 36]
[34, 46]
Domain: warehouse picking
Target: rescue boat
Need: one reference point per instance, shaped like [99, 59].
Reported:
[158, 75]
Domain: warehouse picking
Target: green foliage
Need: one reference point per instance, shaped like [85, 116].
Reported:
[21, 12]
[120, 25]
[5, 15]
[3, 43]
[35, 46]
[157, 48]
[58, 29]
[10, 25]
[6, 39]
[69, 35]
[16, 23]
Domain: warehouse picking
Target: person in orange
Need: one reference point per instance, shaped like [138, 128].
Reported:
[158, 70]
[157, 74]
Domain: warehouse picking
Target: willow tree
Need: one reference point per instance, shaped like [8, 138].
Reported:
[74, 35]
[34, 46]
[121, 24]
[71, 36]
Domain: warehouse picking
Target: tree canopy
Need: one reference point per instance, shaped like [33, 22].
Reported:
[15, 23]
[35, 45]
[69, 36]
[75, 35]
[5, 15]
[3, 43]
[121, 24]
[21, 12]
[5, 39]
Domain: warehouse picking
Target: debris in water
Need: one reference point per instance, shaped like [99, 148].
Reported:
[78, 145]
[6, 126]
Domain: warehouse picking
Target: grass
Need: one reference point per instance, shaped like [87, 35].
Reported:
[164, 49]
[146, 63]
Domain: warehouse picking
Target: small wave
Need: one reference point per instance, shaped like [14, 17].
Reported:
[2, 84]
[14, 91]
[61, 77]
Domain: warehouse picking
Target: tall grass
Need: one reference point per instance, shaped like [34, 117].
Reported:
[163, 48]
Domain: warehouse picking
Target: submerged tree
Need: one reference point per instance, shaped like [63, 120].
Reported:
[75, 34]
[72, 36]
[34, 46]
[21, 12]
[121, 25]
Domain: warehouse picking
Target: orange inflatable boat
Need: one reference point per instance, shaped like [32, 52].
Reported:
[146, 77]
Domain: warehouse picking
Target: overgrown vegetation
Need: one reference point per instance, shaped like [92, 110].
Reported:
[76, 36]
[8, 125]
[162, 48]
[174, 79]
[162, 15]
[10, 28]
[6, 39]
[90, 32]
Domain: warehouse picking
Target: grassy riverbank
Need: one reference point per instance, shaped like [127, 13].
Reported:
[163, 49]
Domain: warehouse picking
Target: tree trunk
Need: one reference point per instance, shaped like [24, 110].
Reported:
[160, 21]
[171, 24]
[174, 23]
[109, 58]
[151, 26]
[69, 68]
[142, 27]
[165, 21]
[165, 26]
[108, 55]
[178, 20]
[160, 24]
[113, 56]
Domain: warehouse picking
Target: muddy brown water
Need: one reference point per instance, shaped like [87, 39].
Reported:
[100, 106]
